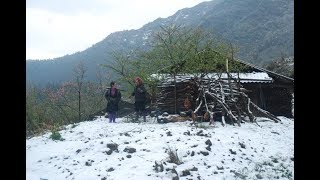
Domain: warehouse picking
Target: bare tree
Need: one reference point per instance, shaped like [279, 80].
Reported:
[79, 73]
[185, 50]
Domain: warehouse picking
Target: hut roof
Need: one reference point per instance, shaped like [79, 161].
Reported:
[274, 75]
[253, 77]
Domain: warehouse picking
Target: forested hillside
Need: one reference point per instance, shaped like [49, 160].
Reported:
[261, 30]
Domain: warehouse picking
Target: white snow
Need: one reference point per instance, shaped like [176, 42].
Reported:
[146, 35]
[244, 77]
[267, 153]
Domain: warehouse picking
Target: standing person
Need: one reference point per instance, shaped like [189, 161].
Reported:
[113, 97]
[139, 94]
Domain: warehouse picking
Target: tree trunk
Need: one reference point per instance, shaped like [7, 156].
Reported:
[175, 94]
[79, 95]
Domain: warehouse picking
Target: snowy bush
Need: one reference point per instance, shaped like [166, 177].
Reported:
[173, 157]
[56, 136]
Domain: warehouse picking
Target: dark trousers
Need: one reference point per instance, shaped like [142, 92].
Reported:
[140, 109]
[112, 116]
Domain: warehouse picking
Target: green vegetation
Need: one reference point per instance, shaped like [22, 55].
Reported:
[56, 136]
[57, 105]
[175, 49]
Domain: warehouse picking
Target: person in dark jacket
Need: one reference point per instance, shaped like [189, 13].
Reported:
[113, 97]
[140, 98]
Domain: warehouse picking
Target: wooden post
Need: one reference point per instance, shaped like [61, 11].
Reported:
[227, 68]
[292, 104]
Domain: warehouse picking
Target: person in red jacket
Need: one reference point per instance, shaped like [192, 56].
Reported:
[140, 98]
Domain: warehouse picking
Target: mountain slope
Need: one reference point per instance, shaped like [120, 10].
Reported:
[261, 29]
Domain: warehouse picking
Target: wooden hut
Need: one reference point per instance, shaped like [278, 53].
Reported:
[270, 91]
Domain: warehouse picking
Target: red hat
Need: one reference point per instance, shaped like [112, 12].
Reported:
[139, 80]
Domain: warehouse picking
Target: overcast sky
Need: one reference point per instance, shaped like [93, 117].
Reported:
[55, 28]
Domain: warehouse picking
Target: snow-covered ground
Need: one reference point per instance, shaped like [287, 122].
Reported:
[230, 152]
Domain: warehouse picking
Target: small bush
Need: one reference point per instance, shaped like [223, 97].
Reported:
[56, 136]
[173, 157]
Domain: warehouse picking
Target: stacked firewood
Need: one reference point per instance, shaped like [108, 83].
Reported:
[229, 98]
[211, 96]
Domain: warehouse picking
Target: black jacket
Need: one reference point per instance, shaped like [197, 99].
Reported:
[113, 101]
[139, 93]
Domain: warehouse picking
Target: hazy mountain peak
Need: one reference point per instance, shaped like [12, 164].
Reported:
[261, 29]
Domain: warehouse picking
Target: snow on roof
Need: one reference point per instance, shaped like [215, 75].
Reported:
[254, 77]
